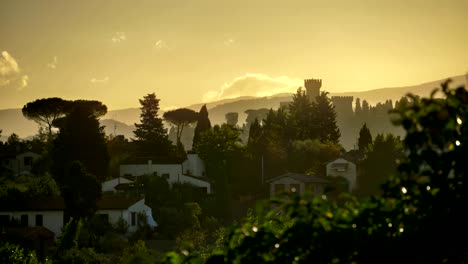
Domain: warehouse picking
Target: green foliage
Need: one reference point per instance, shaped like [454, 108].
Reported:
[326, 119]
[220, 148]
[380, 162]
[26, 187]
[14, 254]
[137, 254]
[151, 136]
[82, 255]
[70, 234]
[302, 116]
[420, 217]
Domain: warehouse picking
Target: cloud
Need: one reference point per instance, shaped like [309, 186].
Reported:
[103, 80]
[119, 37]
[229, 42]
[10, 72]
[160, 44]
[254, 84]
[53, 64]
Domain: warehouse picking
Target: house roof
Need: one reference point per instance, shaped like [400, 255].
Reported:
[154, 160]
[57, 204]
[301, 177]
[201, 178]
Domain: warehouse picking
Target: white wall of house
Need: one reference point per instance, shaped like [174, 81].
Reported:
[52, 220]
[109, 186]
[193, 165]
[174, 173]
[349, 173]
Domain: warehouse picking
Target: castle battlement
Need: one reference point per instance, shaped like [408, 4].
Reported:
[313, 83]
[313, 88]
[343, 99]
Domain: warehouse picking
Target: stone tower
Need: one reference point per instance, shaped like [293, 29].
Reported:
[312, 87]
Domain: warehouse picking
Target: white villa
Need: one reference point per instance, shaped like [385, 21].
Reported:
[49, 212]
[191, 171]
[343, 168]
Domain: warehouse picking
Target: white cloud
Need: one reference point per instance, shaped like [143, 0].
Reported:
[10, 72]
[8, 64]
[229, 42]
[53, 64]
[103, 80]
[160, 44]
[23, 82]
[119, 37]
[254, 84]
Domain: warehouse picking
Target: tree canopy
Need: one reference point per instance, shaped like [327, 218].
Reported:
[151, 135]
[45, 111]
[180, 118]
[203, 124]
[365, 138]
[419, 218]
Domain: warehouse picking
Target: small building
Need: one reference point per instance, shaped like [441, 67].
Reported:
[20, 164]
[191, 171]
[297, 182]
[343, 168]
[49, 212]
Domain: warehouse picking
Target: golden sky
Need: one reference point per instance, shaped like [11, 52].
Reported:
[189, 51]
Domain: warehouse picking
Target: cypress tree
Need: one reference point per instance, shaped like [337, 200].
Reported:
[203, 124]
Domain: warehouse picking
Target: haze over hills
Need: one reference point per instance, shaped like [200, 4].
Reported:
[121, 121]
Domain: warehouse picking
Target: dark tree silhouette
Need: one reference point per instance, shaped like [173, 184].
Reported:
[180, 118]
[203, 124]
[80, 190]
[80, 138]
[151, 136]
[45, 111]
[97, 108]
[358, 109]
[365, 138]
[301, 117]
[326, 119]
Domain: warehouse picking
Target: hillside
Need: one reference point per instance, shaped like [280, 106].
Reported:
[12, 120]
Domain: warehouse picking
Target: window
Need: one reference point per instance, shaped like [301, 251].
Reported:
[279, 187]
[28, 161]
[165, 176]
[24, 220]
[133, 219]
[39, 220]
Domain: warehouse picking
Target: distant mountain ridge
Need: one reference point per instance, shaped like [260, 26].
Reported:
[121, 121]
